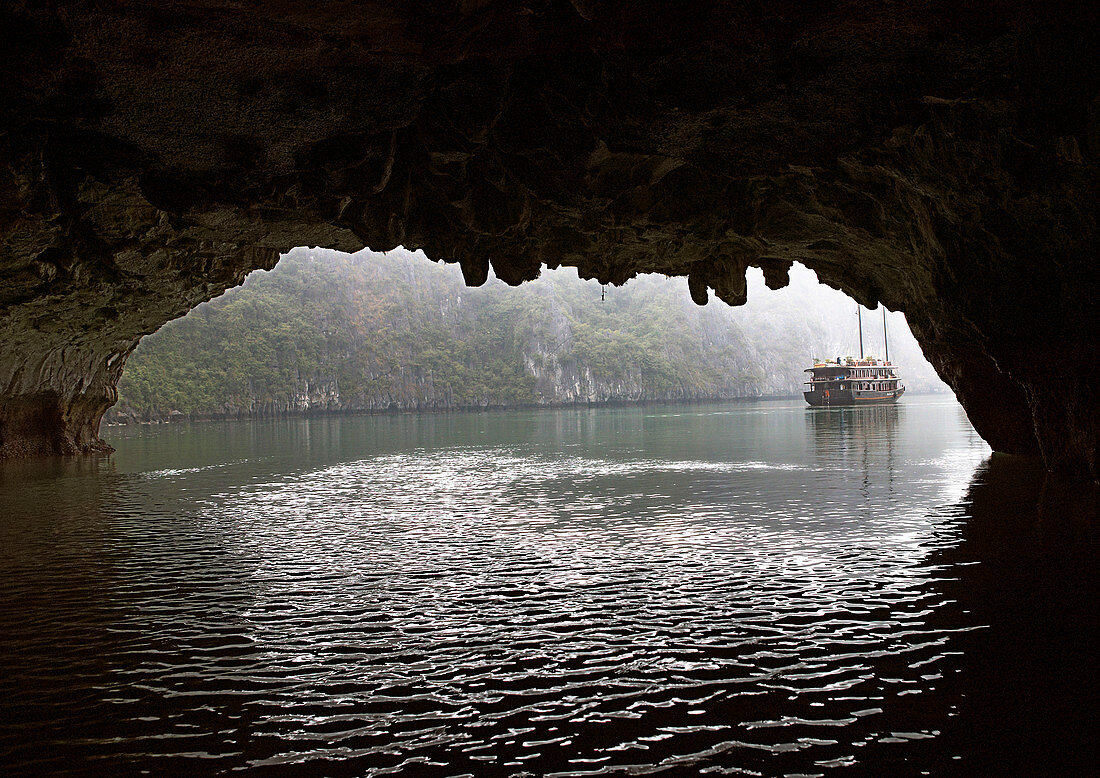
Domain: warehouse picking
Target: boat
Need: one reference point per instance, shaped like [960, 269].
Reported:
[850, 382]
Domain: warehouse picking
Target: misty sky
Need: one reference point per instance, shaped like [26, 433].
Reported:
[832, 315]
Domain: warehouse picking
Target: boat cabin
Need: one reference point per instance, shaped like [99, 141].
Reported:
[850, 381]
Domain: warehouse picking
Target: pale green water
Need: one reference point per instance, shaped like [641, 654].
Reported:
[750, 588]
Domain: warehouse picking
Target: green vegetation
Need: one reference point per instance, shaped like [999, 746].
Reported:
[331, 331]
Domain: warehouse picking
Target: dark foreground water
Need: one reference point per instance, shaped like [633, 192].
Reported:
[755, 589]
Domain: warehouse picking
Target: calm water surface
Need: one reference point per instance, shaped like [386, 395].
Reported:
[750, 589]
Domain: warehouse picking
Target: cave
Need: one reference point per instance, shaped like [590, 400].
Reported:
[936, 158]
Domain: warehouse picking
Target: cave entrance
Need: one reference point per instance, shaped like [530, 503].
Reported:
[326, 331]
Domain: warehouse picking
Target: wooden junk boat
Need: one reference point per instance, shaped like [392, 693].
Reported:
[863, 381]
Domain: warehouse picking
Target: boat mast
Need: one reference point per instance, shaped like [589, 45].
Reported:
[885, 339]
[859, 315]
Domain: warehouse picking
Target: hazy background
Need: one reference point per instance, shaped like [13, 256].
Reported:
[327, 331]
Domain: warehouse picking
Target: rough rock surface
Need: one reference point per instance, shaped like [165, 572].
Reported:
[940, 158]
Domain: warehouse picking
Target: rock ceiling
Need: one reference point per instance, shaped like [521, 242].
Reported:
[936, 159]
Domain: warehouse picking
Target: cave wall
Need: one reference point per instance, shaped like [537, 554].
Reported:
[938, 160]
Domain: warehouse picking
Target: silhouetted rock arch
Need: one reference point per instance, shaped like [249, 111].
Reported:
[942, 162]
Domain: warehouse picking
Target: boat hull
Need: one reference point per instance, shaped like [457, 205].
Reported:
[846, 398]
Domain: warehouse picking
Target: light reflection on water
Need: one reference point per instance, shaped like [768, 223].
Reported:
[746, 589]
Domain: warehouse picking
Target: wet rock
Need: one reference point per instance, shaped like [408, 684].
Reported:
[937, 159]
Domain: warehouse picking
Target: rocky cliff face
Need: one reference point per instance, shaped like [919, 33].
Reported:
[941, 159]
[327, 331]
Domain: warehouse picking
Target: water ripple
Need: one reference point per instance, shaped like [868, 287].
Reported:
[498, 608]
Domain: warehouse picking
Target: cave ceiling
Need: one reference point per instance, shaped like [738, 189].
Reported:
[939, 158]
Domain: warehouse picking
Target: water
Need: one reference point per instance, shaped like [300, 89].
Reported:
[750, 589]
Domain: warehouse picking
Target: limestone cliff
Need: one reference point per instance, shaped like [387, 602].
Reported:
[332, 332]
[940, 158]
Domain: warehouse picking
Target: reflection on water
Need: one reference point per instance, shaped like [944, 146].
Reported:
[748, 589]
[1025, 568]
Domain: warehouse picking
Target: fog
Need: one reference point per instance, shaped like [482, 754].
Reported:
[823, 318]
[832, 318]
[327, 331]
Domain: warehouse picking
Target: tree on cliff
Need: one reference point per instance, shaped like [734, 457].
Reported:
[331, 331]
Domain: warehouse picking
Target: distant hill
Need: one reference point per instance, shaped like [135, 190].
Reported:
[326, 331]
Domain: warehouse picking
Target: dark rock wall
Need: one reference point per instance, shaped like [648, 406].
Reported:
[940, 158]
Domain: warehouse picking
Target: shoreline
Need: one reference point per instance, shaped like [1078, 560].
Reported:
[183, 418]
